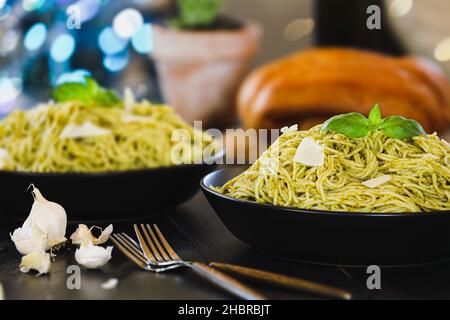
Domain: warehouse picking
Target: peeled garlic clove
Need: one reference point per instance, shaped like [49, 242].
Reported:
[39, 261]
[50, 218]
[92, 257]
[83, 234]
[28, 240]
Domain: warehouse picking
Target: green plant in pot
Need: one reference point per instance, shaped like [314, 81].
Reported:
[202, 57]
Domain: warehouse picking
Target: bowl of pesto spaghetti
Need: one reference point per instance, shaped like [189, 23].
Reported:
[353, 190]
[101, 156]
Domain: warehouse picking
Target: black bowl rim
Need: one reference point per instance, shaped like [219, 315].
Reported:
[290, 210]
[102, 174]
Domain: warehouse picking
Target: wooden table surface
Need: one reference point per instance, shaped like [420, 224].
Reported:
[197, 233]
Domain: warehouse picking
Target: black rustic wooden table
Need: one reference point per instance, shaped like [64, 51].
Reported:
[197, 233]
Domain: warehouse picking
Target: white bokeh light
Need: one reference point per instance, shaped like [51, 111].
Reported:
[127, 22]
[298, 28]
[400, 8]
[10, 89]
[442, 51]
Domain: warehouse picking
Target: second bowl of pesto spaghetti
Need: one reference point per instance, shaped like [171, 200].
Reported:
[352, 179]
[101, 156]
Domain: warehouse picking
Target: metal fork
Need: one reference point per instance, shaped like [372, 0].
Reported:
[160, 254]
[133, 251]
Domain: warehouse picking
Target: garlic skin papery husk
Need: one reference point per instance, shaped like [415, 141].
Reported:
[91, 256]
[44, 228]
[83, 234]
[39, 261]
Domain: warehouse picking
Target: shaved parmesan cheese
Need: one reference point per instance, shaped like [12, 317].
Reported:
[429, 156]
[446, 143]
[86, 130]
[378, 181]
[4, 156]
[310, 153]
[130, 118]
[39, 261]
[269, 165]
[128, 99]
[291, 128]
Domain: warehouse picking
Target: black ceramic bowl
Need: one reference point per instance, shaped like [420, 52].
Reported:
[331, 237]
[103, 196]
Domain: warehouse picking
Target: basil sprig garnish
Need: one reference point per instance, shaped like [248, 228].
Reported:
[88, 92]
[355, 125]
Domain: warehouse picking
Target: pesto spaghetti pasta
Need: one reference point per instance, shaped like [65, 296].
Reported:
[417, 170]
[52, 138]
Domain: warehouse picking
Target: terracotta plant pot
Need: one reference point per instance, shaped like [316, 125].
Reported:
[200, 71]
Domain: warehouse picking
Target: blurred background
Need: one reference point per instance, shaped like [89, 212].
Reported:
[47, 42]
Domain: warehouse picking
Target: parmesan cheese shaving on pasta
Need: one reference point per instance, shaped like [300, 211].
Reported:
[376, 182]
[310, 153]
[86, 130]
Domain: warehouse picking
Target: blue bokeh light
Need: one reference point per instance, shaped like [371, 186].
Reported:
[142, 40]
[35, 36]
[110, 43]
[74, 76]
[117, 62]
[62, 48]
[88, 9]
[30, 5]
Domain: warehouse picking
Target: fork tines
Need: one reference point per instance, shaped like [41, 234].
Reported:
[129, 248]
[155, 246]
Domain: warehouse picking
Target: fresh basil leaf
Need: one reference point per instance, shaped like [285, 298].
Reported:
[352, 125]
[89, 93]
[71, 92]
[400, 128]
[92, 86]
[375, 117]
[107, 98]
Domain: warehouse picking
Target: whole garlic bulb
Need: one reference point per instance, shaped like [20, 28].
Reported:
[44, 228]
[50, 218]
[29, 239]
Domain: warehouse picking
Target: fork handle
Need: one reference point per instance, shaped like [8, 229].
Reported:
[226, 282]
[285, 281]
